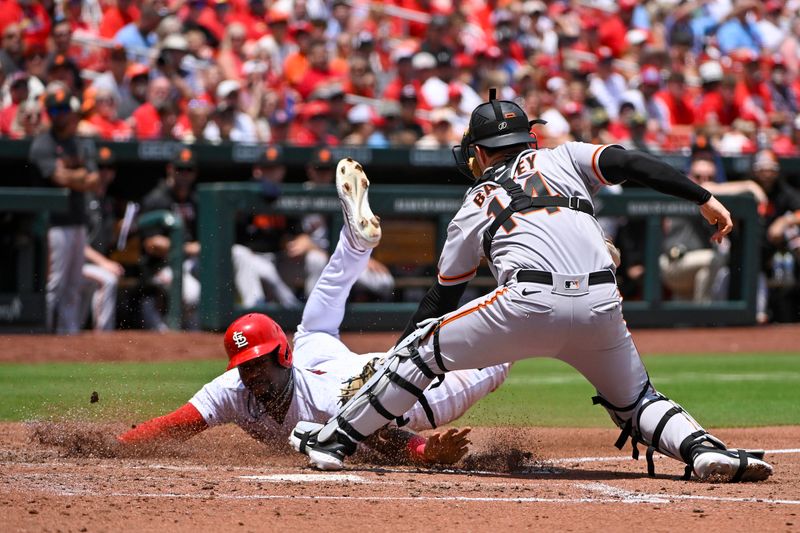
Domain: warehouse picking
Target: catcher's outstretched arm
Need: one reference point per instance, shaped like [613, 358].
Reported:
[180, 424]
[401, 446]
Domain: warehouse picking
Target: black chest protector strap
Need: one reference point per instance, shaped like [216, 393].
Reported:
[523, 203]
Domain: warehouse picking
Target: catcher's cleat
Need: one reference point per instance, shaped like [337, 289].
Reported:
[363, 227]
[321, 455]
[732, 466]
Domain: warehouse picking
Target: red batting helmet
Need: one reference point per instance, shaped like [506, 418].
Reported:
[254, 335]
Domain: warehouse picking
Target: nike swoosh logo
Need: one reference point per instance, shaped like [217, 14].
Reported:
[526, 292]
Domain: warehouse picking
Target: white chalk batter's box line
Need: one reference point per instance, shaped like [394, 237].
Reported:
[608, 494]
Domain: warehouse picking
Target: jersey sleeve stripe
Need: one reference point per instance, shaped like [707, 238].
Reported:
[460, 277]
[595, 166]
[478, 307]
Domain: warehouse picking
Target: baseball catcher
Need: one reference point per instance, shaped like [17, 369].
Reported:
[530, 214]
[269, 386]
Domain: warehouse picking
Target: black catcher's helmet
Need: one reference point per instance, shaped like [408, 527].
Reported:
[494, 124]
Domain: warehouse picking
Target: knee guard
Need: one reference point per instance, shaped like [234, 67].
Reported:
[662, 425]
[384, 397]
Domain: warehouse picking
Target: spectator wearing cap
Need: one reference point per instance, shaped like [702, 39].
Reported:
[103, 121]
[770, 27]
[58, 161]
[243, 128]
[11, 50]
[739, 32]
[176, 194]
[133, 90]
[312, 244]
[432, 88]
[365, 122]
[442, 134]
[717, 104]
[260, 240]
[145, 120]
[314, 126]
[318, 72]
[606, 85]
[173, 49]
[138, 37]
[116, 16]
[32, 18]
[16, 87]
[62, 68]
[100, 273]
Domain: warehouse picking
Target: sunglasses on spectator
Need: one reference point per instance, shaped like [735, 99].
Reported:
[703, 176]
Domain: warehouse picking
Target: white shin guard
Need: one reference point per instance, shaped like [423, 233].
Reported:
[662, 425]
[394, 389]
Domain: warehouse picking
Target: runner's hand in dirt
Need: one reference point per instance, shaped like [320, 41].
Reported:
[447, 447]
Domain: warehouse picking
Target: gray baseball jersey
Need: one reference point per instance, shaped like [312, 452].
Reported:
[544, 239]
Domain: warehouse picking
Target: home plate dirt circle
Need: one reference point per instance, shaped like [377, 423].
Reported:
[224, 480]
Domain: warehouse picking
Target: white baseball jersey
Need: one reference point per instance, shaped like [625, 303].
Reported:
[322, 365]
[544, 239]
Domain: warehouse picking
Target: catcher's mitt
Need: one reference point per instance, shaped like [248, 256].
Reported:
[352, 385]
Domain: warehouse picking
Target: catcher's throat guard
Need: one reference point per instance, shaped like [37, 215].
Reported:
[493, 124]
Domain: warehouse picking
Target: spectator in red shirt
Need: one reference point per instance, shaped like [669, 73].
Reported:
[117, 16]
[752, 94]
[254, 19]
[18, 91]
[614, 28]
[318, 72]
[103, 121]
[717, 104]
[314, 127]
[145, 121]
[34, 22]
[678, 103]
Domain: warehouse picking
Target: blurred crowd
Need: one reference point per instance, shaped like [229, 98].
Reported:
[707, 78]
[649, 73]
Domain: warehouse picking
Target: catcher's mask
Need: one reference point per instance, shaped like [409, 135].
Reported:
[493, 124]
[254, 335]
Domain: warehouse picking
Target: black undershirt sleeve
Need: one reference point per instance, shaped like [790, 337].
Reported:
[439, 300]
[618, 165]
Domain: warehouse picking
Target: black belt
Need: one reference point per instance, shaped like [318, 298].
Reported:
[540, 276]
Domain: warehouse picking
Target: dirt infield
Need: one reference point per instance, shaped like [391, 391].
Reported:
[72, 477]
[223, 480]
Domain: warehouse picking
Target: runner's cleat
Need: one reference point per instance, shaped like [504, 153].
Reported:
[363, 227]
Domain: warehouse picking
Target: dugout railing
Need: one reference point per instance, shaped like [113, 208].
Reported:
[219, 204]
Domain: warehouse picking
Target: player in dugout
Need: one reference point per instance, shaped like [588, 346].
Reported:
[269, 386]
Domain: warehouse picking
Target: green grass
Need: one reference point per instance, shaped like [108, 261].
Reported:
[719, 390]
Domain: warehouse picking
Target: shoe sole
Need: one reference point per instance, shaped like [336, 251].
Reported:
[723, 472]
[319, 460]
[352, 185]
